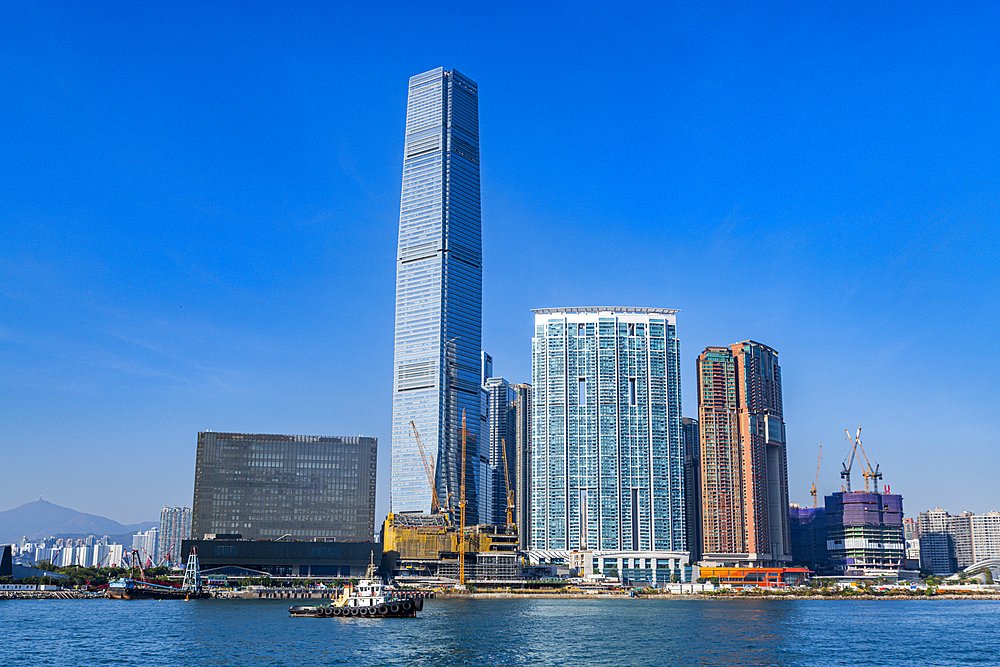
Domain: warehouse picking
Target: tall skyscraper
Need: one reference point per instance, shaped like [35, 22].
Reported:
[607, 447]
[692, 485]
[522, 499]
[268, 486]
[744, 478]
[437, 365]
[502, 435]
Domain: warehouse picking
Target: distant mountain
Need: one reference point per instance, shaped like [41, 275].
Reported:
[40, 519]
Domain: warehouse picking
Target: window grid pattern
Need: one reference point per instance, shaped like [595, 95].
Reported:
[439, 298]
[607, 454]
[266, 486]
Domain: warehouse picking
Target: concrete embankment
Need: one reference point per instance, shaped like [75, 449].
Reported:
[48, 595]
[699, 596]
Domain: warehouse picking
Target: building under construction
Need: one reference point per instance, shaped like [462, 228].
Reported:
[865, 528]
[428, 546]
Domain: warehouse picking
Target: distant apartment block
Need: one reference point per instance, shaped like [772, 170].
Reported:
[937, 551]
[949, 543]
[985, 536]
[175, 525]
[744, 479]
[146, 544]
[268, 486]
[960, 529]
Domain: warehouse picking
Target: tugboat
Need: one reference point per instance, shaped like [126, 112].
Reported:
[369, 599]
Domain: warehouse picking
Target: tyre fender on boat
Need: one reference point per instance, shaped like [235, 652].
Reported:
[394, 607]
[419, 604]
[354, 611]
[383, 609]
[407, 605]
[336, 611]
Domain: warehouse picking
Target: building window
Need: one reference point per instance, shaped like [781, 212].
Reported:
[582, 392]
[631, 391]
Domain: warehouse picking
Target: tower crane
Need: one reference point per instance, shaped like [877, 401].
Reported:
[428, 469]
[816, 481]
[874, 475]
[461, 504]
[846, 472]
[510, 494]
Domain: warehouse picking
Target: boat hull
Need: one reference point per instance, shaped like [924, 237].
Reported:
[151, 594]
[395, 609]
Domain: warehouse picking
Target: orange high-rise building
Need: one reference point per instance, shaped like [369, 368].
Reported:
[744, 478]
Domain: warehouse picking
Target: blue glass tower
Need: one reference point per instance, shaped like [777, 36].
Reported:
[439, 272]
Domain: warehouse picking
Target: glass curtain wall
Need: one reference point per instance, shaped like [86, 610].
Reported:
[439, 299]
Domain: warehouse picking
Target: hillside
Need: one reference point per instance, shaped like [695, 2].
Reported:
[40, 518]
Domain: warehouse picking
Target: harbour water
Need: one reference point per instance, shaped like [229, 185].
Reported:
[505, 632]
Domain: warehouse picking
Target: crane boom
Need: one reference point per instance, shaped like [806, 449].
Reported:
[813, 492]
[846, 472]
[461, 504]
[428, 469]
[510, 494]
[874, 475]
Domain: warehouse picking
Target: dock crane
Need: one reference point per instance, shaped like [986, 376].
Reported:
[461, 504]
[428, 469]
[816, 481]
[510, 494]
[846, 472]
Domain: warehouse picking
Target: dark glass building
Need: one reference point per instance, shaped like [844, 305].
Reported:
[807, 526]
[502, 429]
[692, 485]
[268, 486]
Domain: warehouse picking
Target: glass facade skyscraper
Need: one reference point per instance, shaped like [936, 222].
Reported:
[503, 436]
[607, 446]
[437, 363]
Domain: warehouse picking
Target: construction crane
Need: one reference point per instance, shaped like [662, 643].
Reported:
[510, 494]
[813, 492]
[873, 475]
[428, 469]
[846, 472]
[461, 505]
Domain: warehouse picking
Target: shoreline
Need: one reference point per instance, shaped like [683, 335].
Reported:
[504, 595]
[702, 596]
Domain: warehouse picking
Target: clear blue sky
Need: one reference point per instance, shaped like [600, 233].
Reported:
[199, 209]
